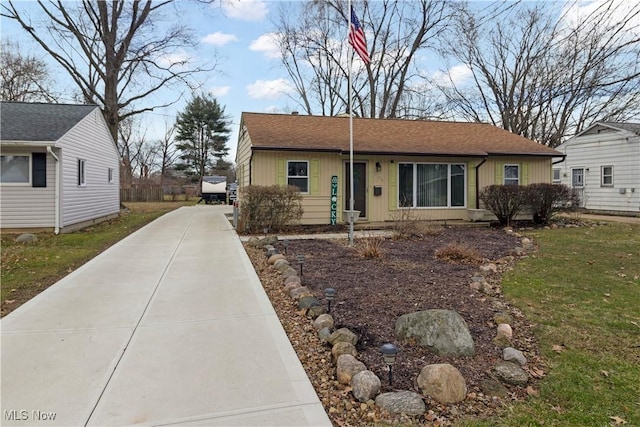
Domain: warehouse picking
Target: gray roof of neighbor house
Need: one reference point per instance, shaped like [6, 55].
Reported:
[386, 136]
[631, 127]
[35, 122]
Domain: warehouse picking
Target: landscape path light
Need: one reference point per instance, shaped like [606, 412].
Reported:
[330, 295]
[300, 259]
[389, 352]
[285, 243]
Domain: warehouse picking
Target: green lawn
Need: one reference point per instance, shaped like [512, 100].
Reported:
[28, 269]
[582, 291]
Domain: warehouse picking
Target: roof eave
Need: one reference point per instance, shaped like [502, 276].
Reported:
[400, 153]
[28, 143]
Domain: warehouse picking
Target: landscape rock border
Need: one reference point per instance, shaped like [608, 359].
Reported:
[343, 341]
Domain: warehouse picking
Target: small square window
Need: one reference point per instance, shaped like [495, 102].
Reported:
[511, 174]
[556, 175]
[81, 173]
[110, 175]
[298, 174]
[607, 176]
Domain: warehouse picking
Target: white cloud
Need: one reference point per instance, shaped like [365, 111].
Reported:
[621, 13]
[175, 59]
[456, 75]
[219, 91]
[246, 10]
[219, 39]
[266, 44]
[268, 89]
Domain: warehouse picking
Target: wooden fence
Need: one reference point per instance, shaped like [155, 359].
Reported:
[145, 194]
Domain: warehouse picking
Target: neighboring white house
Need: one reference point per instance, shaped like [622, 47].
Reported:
[602, 165]
[60, 167]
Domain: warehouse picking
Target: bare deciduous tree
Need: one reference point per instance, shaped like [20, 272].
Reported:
[116, 51]
[312, 37]
[23, 78]
[543, 71]
[167, 153]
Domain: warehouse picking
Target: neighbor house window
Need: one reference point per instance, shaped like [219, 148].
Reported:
[298, 174]
[15, 169]
[81, 173]
[110, 175]
[607, 176]
[431, 185]
[511, 174]
[556, 175]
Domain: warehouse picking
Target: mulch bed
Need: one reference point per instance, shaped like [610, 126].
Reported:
[372, 292]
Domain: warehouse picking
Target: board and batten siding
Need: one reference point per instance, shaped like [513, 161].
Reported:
[593, 151]
[91, 141]
[24, 206]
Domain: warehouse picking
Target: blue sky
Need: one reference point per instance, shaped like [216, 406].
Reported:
[234, 36]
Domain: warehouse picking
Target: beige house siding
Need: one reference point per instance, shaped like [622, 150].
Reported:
[243, 158]
[268, 168]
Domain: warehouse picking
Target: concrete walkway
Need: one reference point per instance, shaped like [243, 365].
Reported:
[170, 326]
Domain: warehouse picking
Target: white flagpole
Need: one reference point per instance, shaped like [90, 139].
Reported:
[351, 196]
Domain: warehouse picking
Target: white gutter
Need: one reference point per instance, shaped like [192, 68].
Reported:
[57, 192]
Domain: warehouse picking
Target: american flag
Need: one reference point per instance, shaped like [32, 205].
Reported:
[356, 38]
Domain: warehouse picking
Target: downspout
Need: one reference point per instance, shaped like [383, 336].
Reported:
[56, 214]
[478, 183]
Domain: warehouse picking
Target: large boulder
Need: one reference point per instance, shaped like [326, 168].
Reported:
[444, 332]
[347, 367]
[366, 385]
[401, 402]
[443, 382]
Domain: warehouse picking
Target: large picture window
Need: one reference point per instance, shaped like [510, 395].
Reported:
[15, 169]
[298, 174]
[431, 185]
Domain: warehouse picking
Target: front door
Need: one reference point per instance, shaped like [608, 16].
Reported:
[359, 187]
[577, 185]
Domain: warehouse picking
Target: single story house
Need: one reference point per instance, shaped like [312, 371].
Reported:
[436, 169]
[602, 165]
[60, 167]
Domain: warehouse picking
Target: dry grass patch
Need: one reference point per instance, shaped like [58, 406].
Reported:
[459, 254]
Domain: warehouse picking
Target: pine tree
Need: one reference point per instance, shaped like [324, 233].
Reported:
[202, 134]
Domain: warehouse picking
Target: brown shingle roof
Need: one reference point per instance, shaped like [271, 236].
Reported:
[386, 136]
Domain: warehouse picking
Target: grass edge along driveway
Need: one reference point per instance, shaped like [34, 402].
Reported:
[30, 268]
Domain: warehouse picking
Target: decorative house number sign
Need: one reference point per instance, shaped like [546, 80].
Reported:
[334, 199]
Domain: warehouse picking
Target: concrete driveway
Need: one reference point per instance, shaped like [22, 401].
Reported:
[170, 326]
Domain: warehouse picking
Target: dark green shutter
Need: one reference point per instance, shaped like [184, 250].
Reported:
[39, 169]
